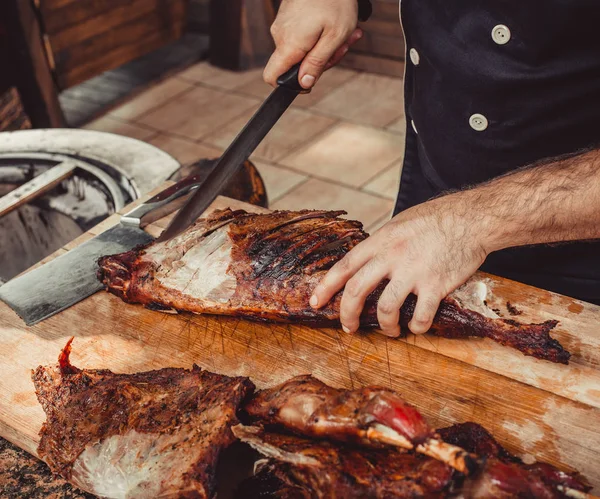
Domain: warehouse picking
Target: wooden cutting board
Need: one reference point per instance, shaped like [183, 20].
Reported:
[534, 407]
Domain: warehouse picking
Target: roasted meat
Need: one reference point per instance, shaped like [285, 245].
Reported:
[476, 439]
[265, 267]
[151, 434]
[304, 468]
[301, 468]
[500, 480]
[375, 417]
[505, 475]
[237, 263]
[371, 416]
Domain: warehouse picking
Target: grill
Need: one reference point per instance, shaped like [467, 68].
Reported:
[57, 184]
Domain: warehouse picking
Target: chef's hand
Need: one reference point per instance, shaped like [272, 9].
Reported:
[318, 31]
[428, 250]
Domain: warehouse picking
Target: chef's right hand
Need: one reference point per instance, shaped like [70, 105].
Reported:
[318, 31]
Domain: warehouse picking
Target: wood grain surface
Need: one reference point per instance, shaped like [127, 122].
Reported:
[534, 407]
[89, 37]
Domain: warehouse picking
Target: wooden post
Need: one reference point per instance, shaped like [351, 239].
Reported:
[32, 72]
[239, 33]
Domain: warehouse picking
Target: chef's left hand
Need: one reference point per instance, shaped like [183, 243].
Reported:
[428, 250]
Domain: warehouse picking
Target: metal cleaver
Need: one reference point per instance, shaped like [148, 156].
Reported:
[42, 292]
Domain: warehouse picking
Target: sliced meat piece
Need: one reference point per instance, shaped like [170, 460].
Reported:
[371, 416]
[302, 468]
[266, 266]
[151, 434]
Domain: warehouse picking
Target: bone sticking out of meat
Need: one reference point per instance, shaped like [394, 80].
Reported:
[306, 468]
[266, 266]
[151, 434]
[300, 465]
[372, 416]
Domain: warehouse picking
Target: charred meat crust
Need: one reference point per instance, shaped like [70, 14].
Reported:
[194, 409]
[275, 261]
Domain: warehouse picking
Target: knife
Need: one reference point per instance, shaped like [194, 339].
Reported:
[239, 151]
[71, 277]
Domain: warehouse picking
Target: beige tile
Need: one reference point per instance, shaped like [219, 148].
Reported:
[198, 112]
[256, 88]
[278, 181]
[150, 98]
[185, 151]
[204, 72]
[293, 129]
[331, 81]
[318, 194]
[398, 126]
[199, 72]
[112, 125]
[386, 183]
[348, 153]
[368, 98]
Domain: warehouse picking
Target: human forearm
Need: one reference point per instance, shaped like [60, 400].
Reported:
[551, 202]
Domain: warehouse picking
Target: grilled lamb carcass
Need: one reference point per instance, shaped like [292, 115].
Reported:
[266, 266]
[371, 416]
[303, 468]
[151, 434]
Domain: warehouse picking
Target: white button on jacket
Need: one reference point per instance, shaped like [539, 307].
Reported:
[501, 34]
[478, 122]
[414, 56]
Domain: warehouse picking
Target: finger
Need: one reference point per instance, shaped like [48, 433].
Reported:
[337, 57]
[317, 58]
[280, 61]
[356, 35]
[356, 291]
[388, 307]
[427, 304]
[338, 275]
[343, 50]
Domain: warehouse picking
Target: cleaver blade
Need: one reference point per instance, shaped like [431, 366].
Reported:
[69, 278]
[51, 288]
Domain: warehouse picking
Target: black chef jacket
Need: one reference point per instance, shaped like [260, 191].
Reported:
[492, 86]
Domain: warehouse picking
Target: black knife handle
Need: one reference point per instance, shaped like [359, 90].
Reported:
[289, 79]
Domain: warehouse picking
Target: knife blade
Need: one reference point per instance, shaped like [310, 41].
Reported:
[239, 151]
[51, 288]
